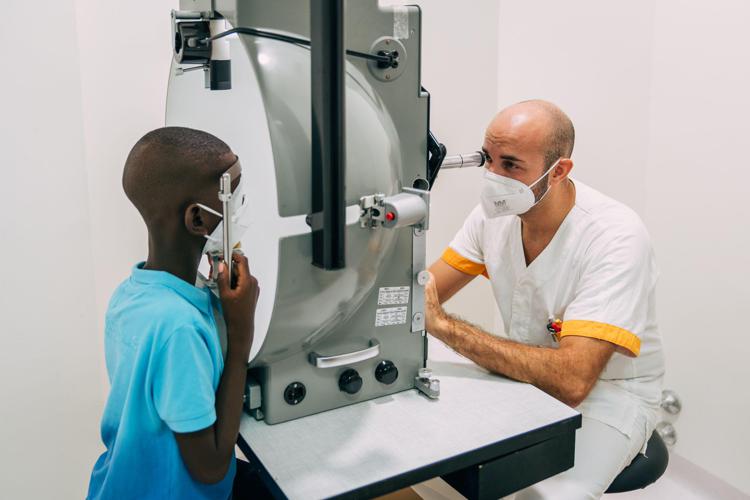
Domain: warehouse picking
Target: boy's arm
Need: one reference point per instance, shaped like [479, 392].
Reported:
[208, 453]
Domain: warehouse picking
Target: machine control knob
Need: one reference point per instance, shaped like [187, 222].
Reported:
[295, 393]
[350, 382]
[386, 372]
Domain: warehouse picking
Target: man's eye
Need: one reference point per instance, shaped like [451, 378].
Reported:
[509, 165]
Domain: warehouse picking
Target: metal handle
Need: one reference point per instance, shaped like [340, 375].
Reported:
[345, 359]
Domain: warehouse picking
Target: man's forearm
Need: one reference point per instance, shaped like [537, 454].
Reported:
[551, 370]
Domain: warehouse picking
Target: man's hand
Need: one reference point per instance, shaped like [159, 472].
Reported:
[434, 314]
[238, 304]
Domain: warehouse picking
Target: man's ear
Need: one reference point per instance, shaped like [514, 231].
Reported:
[562, 170]
[195, 220]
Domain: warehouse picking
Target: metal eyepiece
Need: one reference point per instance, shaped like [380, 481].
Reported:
[475, 159]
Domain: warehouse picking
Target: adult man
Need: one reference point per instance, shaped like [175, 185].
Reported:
[573, 274]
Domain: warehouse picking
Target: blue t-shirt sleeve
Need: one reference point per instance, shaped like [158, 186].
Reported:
[183, 383]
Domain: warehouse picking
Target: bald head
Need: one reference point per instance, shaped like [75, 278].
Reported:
[539, 125]
[171, 167]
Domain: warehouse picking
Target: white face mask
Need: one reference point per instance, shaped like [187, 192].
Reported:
[505, 196]
[238, 219]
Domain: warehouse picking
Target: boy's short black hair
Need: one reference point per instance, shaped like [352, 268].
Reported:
[172, 166]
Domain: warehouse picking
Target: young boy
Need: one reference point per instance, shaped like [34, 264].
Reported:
[173, 413]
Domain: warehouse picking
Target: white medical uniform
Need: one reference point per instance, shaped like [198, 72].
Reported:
[598, 276]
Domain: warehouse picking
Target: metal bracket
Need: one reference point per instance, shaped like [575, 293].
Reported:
[426, 383]
[419, 279]
[371, 211]
[252, 398]
[393, 48]
[419, 264]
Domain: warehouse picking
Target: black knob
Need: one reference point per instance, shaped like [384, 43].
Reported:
[295, 393]
[386, 372]
[350, 381]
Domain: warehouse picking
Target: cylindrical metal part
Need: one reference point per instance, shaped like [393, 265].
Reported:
[221, 74]
[475, 159]
[220, 66]
[403, 209]
[225, 195]
[186, 14]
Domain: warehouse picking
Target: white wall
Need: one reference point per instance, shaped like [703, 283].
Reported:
[50, 378]
[594, 60]
[658, 94]
[451, 65]
[697, 209]
[124, 72]
[75, 99]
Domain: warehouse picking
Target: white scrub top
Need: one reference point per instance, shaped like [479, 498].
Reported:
[597, 275]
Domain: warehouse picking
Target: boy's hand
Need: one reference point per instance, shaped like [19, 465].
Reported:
[238, 304]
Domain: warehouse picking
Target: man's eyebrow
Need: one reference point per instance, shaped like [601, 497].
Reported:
[511, 158]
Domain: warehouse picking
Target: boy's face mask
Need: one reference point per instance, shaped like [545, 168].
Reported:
[505, 196]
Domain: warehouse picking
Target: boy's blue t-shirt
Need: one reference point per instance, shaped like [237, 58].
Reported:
[164, 362]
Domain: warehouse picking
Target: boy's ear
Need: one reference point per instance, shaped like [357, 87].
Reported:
[195, 220]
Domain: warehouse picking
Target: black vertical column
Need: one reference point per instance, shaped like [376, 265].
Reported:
[328, 133]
